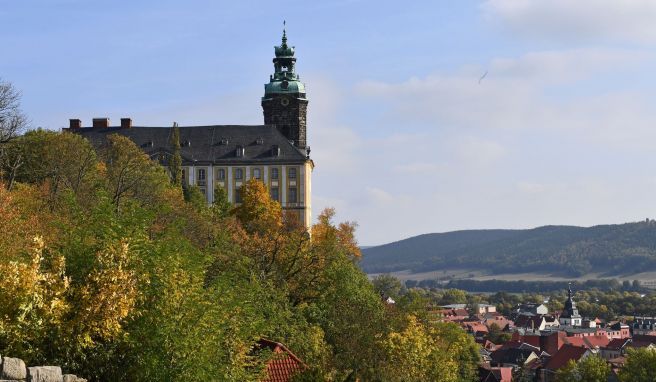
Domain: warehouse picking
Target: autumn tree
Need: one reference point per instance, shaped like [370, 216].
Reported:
[423, 353]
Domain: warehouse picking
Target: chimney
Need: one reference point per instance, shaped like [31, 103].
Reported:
[101, 122]
[75, 124]
[126, 123]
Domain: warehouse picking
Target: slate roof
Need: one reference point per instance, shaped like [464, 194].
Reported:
[207, 144]
[514, 356]
[618, 343]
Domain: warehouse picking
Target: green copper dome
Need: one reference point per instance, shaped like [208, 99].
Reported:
[284, 80]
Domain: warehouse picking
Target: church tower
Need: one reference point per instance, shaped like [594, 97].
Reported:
[284, 103]
[570, 315]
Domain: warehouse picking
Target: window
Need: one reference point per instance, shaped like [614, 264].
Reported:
[240, 151]
[239, 174]
[291, 173]
[184, 176]
[257, 173]
[200, 177]
[238, 195]
[275, 150]
[220, 174]
[291, 195]
[275, 194]
[274, 173]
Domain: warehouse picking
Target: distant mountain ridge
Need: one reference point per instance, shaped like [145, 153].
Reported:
[567, 250]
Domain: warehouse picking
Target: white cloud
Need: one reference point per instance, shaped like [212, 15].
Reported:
[379, 196]
[567, 20]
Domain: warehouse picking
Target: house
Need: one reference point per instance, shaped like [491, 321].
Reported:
[561, 358]
[618, 330]
[482, 308]
[500, 321]
[536, 322]
[494, 374]
[615, 348]
[513, 357]
[283, 365]
[531, 309]
[644, 326]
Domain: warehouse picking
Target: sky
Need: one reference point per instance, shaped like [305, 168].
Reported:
[424, 116]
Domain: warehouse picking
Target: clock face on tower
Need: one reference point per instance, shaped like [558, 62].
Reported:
[284, 101]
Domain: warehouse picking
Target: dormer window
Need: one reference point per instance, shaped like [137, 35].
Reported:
[275, 150]
[224, 141]
[240, 151]
[259, 141]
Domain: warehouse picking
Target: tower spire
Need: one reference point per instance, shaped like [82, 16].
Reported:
[284, 34]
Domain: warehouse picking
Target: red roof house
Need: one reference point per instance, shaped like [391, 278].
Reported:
[283, 365]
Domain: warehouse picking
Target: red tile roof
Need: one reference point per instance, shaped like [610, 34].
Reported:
[589, 342]
[562, 356]
[283, 365]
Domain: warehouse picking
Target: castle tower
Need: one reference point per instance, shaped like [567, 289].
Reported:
[284, 103]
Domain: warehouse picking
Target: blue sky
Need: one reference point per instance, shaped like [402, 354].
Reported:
[406, 140]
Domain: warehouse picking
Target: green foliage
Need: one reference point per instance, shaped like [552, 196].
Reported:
[387, 285]
[640, 366]
[496, 335]
[109, 270]
[221, 205]
[589, 369]
[175, 161]
[430, 353]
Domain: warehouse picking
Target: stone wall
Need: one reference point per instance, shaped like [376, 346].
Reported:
[15, 370]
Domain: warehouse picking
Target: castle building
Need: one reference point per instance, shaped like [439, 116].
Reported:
[570, 315]
[226, 156]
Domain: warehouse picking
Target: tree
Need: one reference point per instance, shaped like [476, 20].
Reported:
[175, 161]
[640, 366]
[496, 335]
[221, 205]
[418, 353]
[387, 285]
[131, 175]
[454, 296]
[12, 119]
[592, 368]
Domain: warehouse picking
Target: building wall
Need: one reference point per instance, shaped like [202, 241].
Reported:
[293, 183]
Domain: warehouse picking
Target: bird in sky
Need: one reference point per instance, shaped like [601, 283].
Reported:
[483, 76]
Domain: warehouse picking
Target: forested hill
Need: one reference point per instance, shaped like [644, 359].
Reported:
[572, 251]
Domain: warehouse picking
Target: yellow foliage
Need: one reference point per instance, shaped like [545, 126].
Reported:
[32, 298]
[422, 353]
[107, 297]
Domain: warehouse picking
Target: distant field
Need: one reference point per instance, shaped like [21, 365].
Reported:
[477, 275]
